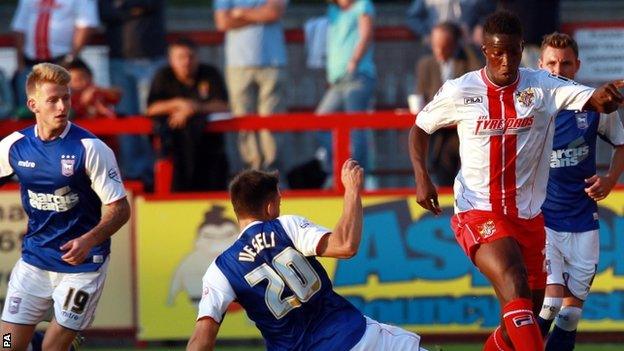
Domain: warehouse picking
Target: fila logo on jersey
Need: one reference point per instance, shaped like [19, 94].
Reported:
[62, 200]
[523, 320]
[67, 165]
[486, 126]
[473, 100]
[568, 157]
[26, 164]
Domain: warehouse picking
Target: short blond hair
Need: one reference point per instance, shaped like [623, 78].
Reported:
[46, 73]
[560, 41]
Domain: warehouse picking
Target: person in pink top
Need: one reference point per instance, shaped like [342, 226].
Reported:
[504, 117]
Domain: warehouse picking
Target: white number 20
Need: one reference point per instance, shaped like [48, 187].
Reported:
[290, 268]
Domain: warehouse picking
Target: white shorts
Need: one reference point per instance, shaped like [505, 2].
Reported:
[33, 291]
[379, 336]
[572, 260]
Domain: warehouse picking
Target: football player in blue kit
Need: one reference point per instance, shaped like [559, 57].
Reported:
[271, 270]
[75, 200]
[570, 209]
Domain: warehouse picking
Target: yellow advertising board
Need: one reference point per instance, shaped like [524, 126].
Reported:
[115, 306]
[409, 270]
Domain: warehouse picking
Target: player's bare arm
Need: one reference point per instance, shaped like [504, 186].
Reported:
[344, 240]
[204, 336]
[81, 36]
[224, 21]
[606, 98]
[426, 193]
[114, 216]
[599, 187]
[166, 107]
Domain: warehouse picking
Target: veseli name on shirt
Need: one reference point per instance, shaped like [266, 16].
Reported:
[258, 243]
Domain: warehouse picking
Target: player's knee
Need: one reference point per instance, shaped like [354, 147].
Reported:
[568, 318]
[550, 307]
[514, 282]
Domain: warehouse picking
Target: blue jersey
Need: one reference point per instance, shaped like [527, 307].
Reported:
[567, 207]
[63, 184]
[271, 271]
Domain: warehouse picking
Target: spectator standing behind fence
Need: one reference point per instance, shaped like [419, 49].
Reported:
[182, 95]
[538, 18]
[135, 34]
[50, 31]
[424, 15]
[449, 61]
[255, 56]
[350, 68]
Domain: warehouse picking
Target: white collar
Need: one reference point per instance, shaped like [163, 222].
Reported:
[247, 227]
[63, 135]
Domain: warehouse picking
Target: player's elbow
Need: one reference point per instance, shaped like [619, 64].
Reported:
[347, 250]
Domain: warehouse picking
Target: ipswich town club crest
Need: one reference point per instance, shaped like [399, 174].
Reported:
[581, 120]
[67, 165]
[526, 97]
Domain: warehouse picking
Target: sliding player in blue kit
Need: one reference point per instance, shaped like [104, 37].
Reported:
[66, 174]
[570, 210]
[271, 270]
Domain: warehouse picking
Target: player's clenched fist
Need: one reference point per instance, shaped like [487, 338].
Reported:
[352, 175]
[607, 98]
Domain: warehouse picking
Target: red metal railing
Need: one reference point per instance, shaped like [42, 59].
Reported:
[339, 124]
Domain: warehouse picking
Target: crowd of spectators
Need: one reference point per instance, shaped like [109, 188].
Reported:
[168, 82]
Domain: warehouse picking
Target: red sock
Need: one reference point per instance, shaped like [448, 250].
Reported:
[521, 325]
[496, 342]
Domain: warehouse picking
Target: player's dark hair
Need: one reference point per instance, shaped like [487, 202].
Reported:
[560, 41]
[251, 190]
[183, 42]
[79, 65]
[502, 22]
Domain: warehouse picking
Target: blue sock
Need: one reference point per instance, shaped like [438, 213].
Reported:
[561, 340]
[37, 341]
[544, 325]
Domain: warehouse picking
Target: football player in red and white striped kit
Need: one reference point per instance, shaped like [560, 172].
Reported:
[504, 117]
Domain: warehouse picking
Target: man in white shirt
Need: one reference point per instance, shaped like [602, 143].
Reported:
[50, 31]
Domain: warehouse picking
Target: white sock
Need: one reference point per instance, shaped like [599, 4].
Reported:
[550, 307]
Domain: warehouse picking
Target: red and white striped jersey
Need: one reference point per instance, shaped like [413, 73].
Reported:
[48, 25]
[505, 134]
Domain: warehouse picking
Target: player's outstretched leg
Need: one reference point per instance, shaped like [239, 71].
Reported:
[563, 336]
[501, 261]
